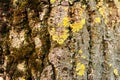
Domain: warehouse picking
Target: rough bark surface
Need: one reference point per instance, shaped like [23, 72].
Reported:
[59, 40]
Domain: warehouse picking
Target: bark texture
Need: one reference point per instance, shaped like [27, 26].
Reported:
[59, 40]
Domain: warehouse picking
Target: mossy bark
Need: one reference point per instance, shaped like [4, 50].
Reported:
[59, 40]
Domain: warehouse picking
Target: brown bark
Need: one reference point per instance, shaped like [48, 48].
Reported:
[59, 40]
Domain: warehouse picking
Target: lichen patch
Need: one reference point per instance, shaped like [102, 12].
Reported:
[59, 35]
[77, 25]
[17, 38]
[80, 69]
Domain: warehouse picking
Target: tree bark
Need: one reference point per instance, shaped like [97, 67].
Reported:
[59, 40]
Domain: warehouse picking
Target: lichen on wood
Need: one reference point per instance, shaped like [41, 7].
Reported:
[59, 39]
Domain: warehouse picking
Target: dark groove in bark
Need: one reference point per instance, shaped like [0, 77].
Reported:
[53, 68]
[54, 73]
[71, 41]
[89, 77]
[4, 30]
[48, 43]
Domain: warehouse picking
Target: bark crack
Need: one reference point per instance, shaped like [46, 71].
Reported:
[48, 44]
[89, 72]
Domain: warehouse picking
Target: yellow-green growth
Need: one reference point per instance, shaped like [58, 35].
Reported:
[59, 37]
[106, 21]
[101, 8]
[77, 25]
[80, 69]
[115, 71]
[110, 65]
[84, 57]
[66, 22]
[82, 8]
[102, 11]
[22, 78]
[80, 51]
[71, 1]
[97, 20]
[52, 1]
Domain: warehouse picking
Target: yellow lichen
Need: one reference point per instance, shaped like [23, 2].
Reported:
[60, 41]
[59, 37]
[81, 10]
[110, 10]
[66, 8]
[115, 71]
[97, 20]
[21, 78]
[102, 11]
[77, 25]
[52, 1]
[80, 69]
[100, 4]
[55, 37]
[66, 22]
[60, 79]
[71, 1]
[106, 21]
[52, 31]
[110, 65]
[84, 57]
[83, 6]
[80, 51]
